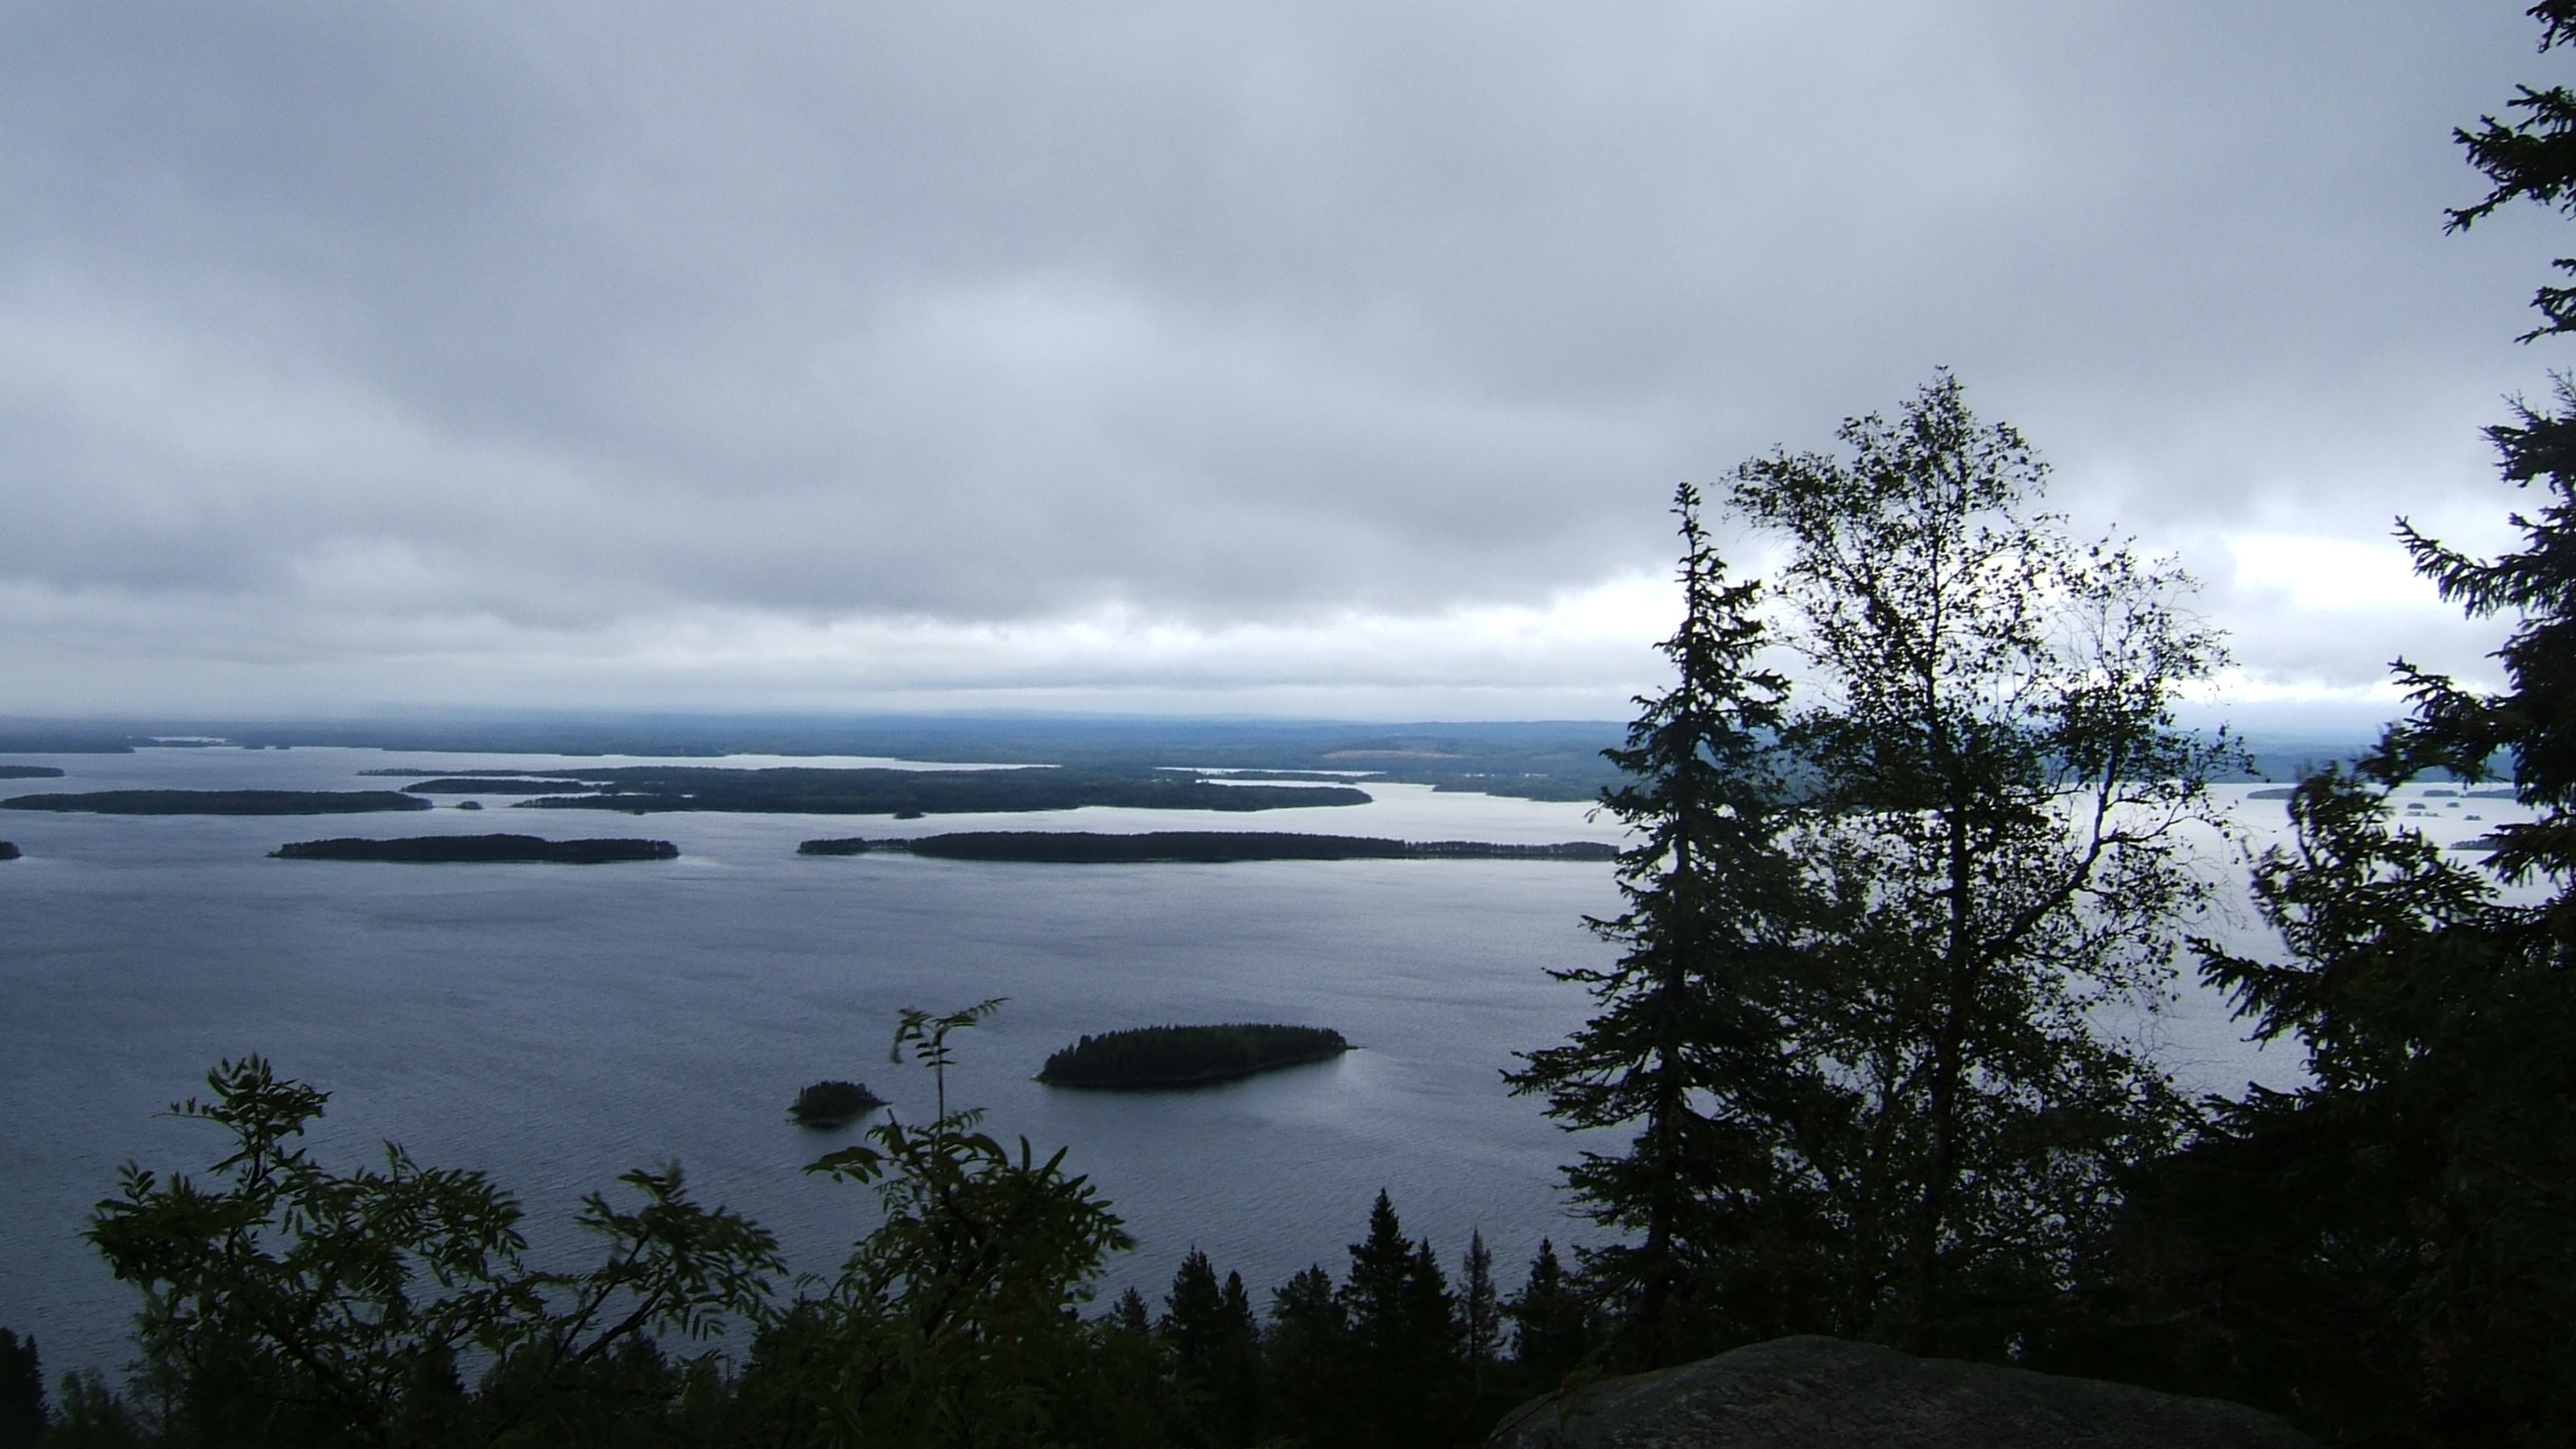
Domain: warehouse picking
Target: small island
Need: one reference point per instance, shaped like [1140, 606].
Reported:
[1188, 1056]
[833, 1104]
[8, 850]
[29, 772]
[1198, 847]
[480, 850]
[220, 802]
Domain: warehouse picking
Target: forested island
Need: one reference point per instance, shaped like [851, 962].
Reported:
[849, 845]
[1198, 847]
[1188, 1056]
[644, 789]
[495, 785]
[833, 1104]
[29, 772]
[220, 802]
[8, 850]
[479, 849]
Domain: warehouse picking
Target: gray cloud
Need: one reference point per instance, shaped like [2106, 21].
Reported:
[745, 353]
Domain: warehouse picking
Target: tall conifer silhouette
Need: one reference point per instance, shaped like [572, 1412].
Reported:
[1682, 1016]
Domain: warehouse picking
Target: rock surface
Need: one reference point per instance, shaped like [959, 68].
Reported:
[1824, 1393]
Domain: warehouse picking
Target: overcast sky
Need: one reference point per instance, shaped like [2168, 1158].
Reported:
[1325, 359]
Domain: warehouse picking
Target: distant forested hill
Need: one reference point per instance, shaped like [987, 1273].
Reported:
[1542, 760]
[646, 789]
[1539, 760]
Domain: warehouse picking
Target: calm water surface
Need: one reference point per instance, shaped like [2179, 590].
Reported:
[558, 1025]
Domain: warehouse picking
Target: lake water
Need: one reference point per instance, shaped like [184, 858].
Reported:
[557, 1025]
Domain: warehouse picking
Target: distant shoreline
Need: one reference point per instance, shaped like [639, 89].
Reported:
[903, 794]
[1209, 847]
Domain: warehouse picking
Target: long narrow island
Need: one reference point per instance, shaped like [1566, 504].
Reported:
[1083, 847]
[219, 802]
[480, 850]
[1188, 1056]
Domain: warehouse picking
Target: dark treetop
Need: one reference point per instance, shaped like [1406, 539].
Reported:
[1179, 1056]
[482, 849]
[221, 802]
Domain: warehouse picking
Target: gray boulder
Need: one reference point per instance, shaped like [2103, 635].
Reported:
[1824, 1393]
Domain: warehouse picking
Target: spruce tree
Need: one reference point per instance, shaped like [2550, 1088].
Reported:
[2532, 158]
[1193, 1314]
[1688, 1033]
[1403, 1337]
[1240, 1389]
[2383, 1253]
[1480, 1323]
[22, 1392]
[2387, 1253]
[1215, 1346]
[1551, 1324]
[1310, 1360]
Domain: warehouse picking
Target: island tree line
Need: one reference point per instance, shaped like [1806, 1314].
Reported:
[1907, 831]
